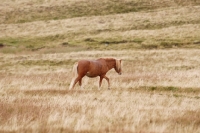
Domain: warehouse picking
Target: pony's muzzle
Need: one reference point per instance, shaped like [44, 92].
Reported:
[120, 73]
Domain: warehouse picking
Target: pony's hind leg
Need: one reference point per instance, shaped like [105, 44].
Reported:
[74, 81]
[80, 83]
[78, 79]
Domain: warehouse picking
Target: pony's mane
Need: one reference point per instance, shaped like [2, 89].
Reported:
[118, 62]
[108, 58]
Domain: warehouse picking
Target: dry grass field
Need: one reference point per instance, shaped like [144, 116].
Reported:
[157, 40]
[157, 92]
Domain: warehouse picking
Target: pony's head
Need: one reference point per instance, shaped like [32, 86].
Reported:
[118, 67]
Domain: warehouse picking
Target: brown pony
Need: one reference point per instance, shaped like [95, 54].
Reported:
[94, 68]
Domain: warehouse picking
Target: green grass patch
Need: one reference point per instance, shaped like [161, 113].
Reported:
[155, 88]
[58, 43]
[30, 63]
[170, 44]
[18, 44]
[120, 40]
[174, 89]
[46, 62]
[113, 43]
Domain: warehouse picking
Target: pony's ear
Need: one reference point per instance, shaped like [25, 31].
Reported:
[121, 63]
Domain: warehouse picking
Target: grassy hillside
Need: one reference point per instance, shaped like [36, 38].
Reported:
[54, 26]
[34, 10]
[157, 40]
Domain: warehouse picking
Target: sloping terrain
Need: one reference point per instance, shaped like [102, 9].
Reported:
[87, 24]
[157, 40]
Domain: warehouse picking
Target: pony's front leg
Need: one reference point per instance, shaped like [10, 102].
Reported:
[108, 82]
[100, 81]
[101, 78]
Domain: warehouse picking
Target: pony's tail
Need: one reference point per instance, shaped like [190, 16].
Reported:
[74, 70]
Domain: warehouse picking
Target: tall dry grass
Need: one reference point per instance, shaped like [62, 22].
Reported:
[157, 92]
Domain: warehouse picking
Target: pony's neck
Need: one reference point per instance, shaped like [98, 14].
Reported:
[111, 63]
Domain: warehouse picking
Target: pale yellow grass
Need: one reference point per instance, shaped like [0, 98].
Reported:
[141, 68]
[98, 111]
[34, 93]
